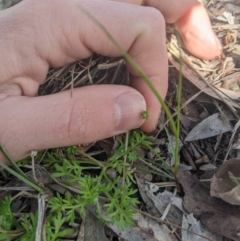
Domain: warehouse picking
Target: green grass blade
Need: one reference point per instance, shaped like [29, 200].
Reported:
[179, 96]
[13, 163]
[18, 173]
[22, 178]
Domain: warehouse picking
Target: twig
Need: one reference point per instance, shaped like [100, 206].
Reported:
[169, 223]
[125, 157]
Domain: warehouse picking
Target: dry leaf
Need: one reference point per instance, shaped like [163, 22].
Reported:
[218, 216]
[192, 224]
[209, 127]
[91, 229]
[145, 229]
[154, 200]
[236, 144]
[223, 185]
[207, 167]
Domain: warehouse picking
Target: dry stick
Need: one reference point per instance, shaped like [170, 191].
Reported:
[121, 62]
[72, 81]
[102, 79]
[165, 184]
[223, 116]
[231, 140]
[89, 74]
[43, 155]
[41, 215]
[33, 154]
[227, 26]
[125, 158]
[109, 65]
[183, 106]
[56, 74]
[151, 166]
[169, 223]
[210, 86]
[167, 209]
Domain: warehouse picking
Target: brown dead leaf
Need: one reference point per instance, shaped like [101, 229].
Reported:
[223, 186]
[218, 216]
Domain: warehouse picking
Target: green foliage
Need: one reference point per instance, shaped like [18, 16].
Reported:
[120, 200]
[120, 208]
[53, 228]
[26, 229]
[137, 140]
[29, 224]
[6, 216]
[71, 150]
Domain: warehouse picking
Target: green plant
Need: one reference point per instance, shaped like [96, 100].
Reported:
[6, 216]
[29, 224]
[17, 172]
[54, 230]
[92, 189]
[25, 230]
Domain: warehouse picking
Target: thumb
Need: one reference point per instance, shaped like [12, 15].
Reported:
[93, 113]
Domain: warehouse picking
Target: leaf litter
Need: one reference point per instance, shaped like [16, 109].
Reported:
[206, 134]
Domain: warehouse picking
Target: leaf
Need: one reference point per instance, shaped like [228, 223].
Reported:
[5, 237]
[218, 216]
[224, 186]
[152, 195]
[6, 216]
[209, 127]
[91, 229]
[145, 229]
[195, 226]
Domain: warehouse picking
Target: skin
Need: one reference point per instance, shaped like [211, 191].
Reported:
[36, 35]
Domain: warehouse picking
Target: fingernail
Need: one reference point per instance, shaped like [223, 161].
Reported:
[128, 109]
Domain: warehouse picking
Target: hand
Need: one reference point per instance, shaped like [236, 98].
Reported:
[36, 35]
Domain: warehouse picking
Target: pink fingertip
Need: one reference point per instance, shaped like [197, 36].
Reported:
[197, 34]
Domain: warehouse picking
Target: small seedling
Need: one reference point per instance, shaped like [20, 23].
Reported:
[145, 115]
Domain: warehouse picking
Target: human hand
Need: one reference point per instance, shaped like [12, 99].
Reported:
[192, 22]
[36, 35]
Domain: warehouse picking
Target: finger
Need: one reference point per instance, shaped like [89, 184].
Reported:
[199, 39]
[136, 2]
[172, 10]
[193, 24]
[94, 113]
[65, 34]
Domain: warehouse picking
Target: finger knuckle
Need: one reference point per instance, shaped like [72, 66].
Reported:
[154, 17]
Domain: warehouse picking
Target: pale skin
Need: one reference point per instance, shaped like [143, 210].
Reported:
[36, 35]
